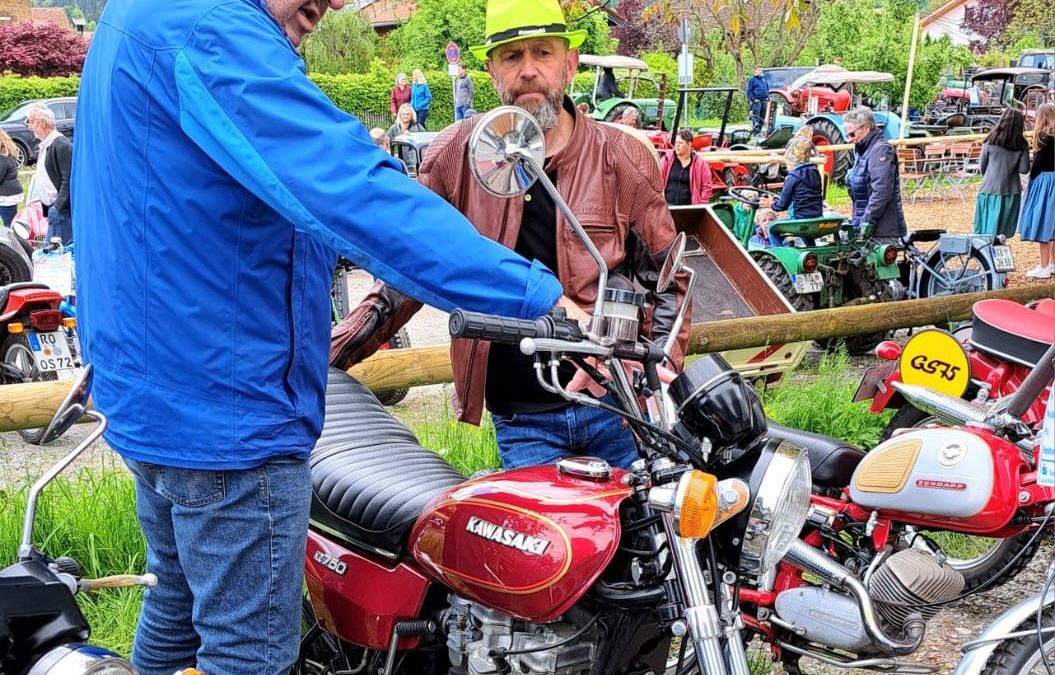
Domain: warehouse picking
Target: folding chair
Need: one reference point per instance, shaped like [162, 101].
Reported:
[910, 169]
[965, 165]
[935, 158]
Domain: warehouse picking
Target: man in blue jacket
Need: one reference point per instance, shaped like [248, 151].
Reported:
[214, 186]
[874, 182]
[757, 96]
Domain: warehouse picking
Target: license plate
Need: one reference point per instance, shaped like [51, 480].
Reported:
[870, 383]
[809, 282]
[51, 351]
[1002, 259]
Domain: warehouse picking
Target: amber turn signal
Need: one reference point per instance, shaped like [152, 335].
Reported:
[15, 328]
[700, 502]
[70, 322]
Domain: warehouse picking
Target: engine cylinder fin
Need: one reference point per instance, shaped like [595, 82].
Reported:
[913, 577]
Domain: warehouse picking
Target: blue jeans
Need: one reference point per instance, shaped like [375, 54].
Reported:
[459, 112]
[59, 225]
[228, 550]
[422, 115]
[758, 111]
[7, 214]
[530, 439]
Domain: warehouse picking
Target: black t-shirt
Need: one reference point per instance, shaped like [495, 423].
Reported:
[512, 386]
[678, 192]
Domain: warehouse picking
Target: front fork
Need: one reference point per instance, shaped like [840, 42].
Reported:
[705, 628]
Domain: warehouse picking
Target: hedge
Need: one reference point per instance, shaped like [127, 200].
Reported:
[15, 89]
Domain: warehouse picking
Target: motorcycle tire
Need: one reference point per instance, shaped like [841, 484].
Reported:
[984, 569]
[1024, 655]
[930, 286]
[20, 366]
[13, 268]
[401, 340]
[772, 268]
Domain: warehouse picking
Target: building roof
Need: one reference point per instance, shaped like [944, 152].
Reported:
[45, 15]
[937, 14]
[387, 12]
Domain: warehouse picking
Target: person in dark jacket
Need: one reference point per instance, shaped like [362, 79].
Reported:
[1005, 155]
[757, 96]
[10, 187]
[801, 195]
[874, 184]
[52, 178]
[464, 92]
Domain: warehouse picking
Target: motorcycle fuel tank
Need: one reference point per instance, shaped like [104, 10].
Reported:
[528, 542]
[964, 479]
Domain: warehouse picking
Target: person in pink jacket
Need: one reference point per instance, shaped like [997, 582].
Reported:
[686, 176]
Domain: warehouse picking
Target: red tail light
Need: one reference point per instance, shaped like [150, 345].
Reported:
[889, 255]
[888, 350]
[46, 320]
[809, 263]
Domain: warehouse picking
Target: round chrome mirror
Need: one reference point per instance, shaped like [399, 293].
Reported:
[498, 139]
[672, 264]
[21, 229]
[71, 409]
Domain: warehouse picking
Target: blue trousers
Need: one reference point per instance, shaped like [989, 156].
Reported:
[422, 115]
[758, 111]
[531, 439]
[7, 214]
[459, 112]
[60, 225]
[228, 550]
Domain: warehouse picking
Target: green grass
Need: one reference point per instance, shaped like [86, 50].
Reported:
[90, 515]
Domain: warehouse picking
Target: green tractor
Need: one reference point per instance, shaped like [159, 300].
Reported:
[825, 262]
[615, 84]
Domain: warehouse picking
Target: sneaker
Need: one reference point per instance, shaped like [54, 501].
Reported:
[1039, 273]
[1051, 268]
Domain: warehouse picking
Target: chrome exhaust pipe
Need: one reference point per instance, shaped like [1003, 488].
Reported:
[810, 560]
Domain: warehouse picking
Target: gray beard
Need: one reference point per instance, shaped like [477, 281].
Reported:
[546, 113]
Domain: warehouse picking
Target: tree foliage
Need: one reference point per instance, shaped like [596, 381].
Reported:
[643, 33]
[45, 50]
[987, 19]
[343, 42]
[1033, 22]
[90, 9]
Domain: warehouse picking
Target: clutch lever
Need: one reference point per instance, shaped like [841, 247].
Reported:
[531, 346]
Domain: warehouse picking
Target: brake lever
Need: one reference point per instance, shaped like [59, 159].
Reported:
[530, 346]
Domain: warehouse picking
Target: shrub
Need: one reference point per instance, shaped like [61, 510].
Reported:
[47, 50]
[15, 89]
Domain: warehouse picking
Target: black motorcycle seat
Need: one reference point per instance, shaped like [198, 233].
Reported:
[370, 477]
[832, 461]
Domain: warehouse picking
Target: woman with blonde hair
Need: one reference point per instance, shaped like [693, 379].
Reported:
[10, 188]
[406, 122]
[1038, 212]
[420, 96]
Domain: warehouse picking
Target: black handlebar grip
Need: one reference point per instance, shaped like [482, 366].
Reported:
[475, 325]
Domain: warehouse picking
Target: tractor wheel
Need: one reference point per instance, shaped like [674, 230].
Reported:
[862, 284]
[772, 268]
[837, 164]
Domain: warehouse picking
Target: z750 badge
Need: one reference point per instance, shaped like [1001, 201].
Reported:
[506, 537]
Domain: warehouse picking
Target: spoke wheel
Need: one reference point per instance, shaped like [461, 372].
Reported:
[21, 366]
[958, 273]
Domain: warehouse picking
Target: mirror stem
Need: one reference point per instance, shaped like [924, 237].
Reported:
[597, 321]
[25, 548]
[680, 318]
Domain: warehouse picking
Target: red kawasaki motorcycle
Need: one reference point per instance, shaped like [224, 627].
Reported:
[865, 556]
[569, 569]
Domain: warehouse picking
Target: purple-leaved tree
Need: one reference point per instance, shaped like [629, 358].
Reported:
[46, 50]
[987, 20]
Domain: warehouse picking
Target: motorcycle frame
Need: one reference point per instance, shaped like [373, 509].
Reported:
[920, 262]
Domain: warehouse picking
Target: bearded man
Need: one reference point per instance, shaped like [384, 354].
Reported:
[611, 182]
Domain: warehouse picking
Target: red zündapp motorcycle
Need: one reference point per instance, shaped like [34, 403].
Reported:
[868, 552]
[575, 568]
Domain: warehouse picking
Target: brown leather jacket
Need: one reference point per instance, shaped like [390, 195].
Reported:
[611, 182]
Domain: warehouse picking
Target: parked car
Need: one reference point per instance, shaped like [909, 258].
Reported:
[14, 123]
[411, 148]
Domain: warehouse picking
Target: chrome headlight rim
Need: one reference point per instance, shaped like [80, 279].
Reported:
[778, 509]
[81, 659]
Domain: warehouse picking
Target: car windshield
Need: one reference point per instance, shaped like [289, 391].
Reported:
[1044, 60]
[778, 78]
[16, 114]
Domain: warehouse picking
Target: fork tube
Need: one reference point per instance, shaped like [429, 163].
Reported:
[705, 628]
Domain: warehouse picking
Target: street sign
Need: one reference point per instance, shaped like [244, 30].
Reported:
[684, 31]
[685, 66]
[454, 54]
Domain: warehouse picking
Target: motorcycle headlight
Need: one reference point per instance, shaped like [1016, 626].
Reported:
[778, 511]
[78, 659]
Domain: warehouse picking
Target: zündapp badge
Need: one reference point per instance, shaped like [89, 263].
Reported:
[934, 359]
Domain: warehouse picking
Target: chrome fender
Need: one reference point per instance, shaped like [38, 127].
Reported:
[975, 657]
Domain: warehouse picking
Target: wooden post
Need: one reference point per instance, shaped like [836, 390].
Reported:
[908, 77]
[25, 406]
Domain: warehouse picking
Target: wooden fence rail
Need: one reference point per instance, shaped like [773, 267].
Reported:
[32, 405]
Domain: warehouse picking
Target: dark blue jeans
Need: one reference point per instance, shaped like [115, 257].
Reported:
[228, 550]
[530, 439]
[459, 112]
[422, 115]
[60, 225]
[7, 214]
[758, 111]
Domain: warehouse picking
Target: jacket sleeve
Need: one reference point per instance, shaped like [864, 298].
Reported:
[641, 188]
[428, 96]
[392, 107]
[371, 324]
[787, 194]
[983, 159]
[706, 186]
[63, 154]
[245, 99]
[881, 168]
[1023, 161]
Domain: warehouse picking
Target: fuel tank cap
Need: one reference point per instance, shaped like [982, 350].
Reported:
[588, 468]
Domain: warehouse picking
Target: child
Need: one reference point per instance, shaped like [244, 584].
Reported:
[801, 196]
[762, 237]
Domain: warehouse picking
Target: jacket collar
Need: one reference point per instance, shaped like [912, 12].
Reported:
[868, 141]
[570, 153]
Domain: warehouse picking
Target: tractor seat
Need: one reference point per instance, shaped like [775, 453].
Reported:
[832, 461]
[370, 477]
[1012, 331]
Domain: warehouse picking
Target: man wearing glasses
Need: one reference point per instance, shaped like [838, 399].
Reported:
[873, 183]
[51, 182]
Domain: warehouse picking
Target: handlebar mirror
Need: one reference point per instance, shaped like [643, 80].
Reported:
[21, 229]
[503, 136]
[675, 256]
[71, 409]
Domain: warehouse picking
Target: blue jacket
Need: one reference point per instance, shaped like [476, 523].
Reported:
[420, 97]
[875, 187]
[213, 187]
[801, 193]
[757, 88]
